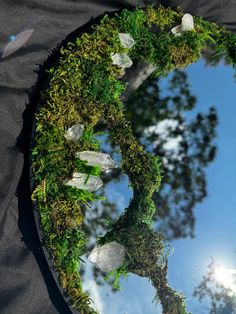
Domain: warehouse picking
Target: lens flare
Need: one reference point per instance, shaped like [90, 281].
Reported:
[16, 42]
[226, 277]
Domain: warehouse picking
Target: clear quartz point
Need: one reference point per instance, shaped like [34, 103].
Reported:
[186, 25]
[104, 161]
[79, 181]
[126, 40]
[75, 132]
[108, 257]
[122, 60]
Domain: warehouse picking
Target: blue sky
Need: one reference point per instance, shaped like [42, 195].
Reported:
[215, 217]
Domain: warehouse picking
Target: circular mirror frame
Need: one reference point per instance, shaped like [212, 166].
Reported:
[84, 88]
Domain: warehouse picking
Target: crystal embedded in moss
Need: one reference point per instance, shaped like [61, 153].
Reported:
[84, 182]
[104, 161]
[108, 257]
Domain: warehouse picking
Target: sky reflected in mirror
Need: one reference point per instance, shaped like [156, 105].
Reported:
[215, 218]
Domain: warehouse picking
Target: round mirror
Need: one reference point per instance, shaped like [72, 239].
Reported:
[121, 174]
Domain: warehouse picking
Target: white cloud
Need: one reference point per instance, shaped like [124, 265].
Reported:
[173, 143]
[163, 129]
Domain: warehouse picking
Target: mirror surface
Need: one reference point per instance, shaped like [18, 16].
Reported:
[187, 118]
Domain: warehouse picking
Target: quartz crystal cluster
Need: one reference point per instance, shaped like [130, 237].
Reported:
[126, 40]
[85, 182]
[122, 59]
[104, 161]
[108, 257]
[75, 132]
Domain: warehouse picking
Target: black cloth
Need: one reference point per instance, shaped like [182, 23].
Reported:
[26, 283]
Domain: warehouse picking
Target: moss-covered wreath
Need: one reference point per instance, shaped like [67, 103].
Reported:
[84, 89]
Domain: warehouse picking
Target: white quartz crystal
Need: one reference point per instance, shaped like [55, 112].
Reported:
[108, 257]
[104, 161]
[176, 30]
[122, 60]
[186, 25]
[126, 40]
[74, 132]
[80, 181]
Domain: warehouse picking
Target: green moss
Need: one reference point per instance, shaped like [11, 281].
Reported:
[84, 87]
[162, 17]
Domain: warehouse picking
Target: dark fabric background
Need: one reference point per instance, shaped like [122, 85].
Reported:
[26, 283]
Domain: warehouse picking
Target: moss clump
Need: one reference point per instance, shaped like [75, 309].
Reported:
[66, 214]
[182, 56]
[84, 88]
[142, 168]
[162, 17]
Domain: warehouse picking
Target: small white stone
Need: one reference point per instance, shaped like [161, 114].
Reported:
[74, 132]
[80, 181]
[176, 30]
[126, 40]
[122, 60]
[104, 161]
[186, 25]
[108, 257]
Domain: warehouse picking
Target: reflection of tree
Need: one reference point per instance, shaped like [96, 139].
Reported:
[186, 147]
[222, 299]
[212, 57]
